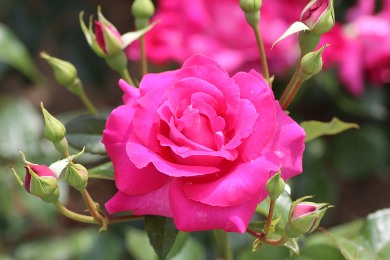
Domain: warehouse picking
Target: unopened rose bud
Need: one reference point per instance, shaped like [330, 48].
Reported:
[54, 129]
[108, 38]
[250, 5]
[275, 186]
[65, 73]
[304, 217]
[318, 15]
[252, 11]
[77, 176]
[142, 10]
[41, 182]
[311, 64]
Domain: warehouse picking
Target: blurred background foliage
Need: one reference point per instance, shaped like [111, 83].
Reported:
[350, 171]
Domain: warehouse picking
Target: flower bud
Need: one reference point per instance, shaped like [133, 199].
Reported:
[108, 38]
[311, 64]
[275, 186]
[142, 10]
[318, 15]
[77, 176]
[105, 40]
[65, 73]
[41, 182]
[54, 130]
[250, 5]
[252, 11]
[304, 217]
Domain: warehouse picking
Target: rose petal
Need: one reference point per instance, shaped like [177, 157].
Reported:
[254, 88]
[156, 80]
[146, 120]
[128, 178]
[201, 60]
[130, 92]
[153, 203]
[191, 215]
[245, 120]
[244, 182]
[141, 157]
[288, 143]
[185, 88]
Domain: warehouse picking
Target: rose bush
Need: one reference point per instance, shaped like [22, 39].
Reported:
[198, 146]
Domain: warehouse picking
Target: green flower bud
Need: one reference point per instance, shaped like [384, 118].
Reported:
[142, 10]
[65, 73]
[77, 176]
[249, 6]
[275, 186]
[304, 217]
[54, 129]
[41, 182]
[318, 15]
[311, 64]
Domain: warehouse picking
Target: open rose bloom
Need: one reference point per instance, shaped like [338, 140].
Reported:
[198, 146]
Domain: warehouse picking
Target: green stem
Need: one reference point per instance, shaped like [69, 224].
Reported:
[144, 62]
[126, 75]
[87, 103]
[263, 57]
[73, 215]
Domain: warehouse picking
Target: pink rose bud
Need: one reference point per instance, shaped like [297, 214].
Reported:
[318, 15]
[41, 181]
[304, 217]
[107, 37]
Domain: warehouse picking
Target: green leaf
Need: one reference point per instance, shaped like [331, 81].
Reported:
[180, 243]
[86, 131]
[294, 28]
[104, 171]
[15, 54]
[377, 229]
[315, 129]
[320, 252]
[162, 234]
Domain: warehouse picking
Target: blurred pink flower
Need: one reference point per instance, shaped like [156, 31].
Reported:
[361, 47]
[218, 29]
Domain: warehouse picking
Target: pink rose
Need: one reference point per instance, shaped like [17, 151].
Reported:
[218, 29]
[198, 146]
